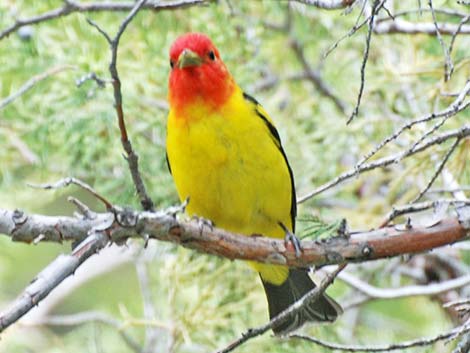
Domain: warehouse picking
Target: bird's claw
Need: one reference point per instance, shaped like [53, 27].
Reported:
[201, 222]
[291, 238]
[174, 210]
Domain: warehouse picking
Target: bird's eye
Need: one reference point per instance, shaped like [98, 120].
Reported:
[211, 55]
[172, 63]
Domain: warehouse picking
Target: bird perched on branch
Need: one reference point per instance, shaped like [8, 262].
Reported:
[226, 156]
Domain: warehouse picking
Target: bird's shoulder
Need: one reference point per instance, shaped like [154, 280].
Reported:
[264, 116]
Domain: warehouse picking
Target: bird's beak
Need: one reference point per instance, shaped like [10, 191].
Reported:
[188, 58]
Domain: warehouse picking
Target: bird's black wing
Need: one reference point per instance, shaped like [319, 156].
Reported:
[277, 140]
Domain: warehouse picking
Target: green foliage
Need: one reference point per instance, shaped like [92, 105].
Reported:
[57, 129]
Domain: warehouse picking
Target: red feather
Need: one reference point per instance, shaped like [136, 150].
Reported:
[209, 83]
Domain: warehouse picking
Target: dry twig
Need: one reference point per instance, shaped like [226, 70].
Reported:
[463, 132]
[421, 342]
[68, 181]
[455, 107]
[131, 156]
[448, 66]
[32, 82]
[51, 276]
[328, 4]
[438, 170]
[86, 317]
[376, 6]
[409, 291]
[71, 6]
[311, 296]
[314, 76]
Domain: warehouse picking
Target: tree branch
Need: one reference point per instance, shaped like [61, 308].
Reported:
[86, 317]
[50, 277]
[124, 224]
[70, 7]
[314, 76]
[420, 342]
[464, 131]
[131, 156]
[376, 6]
[407, 291]
[311, 296]
[32, 82]
[328, 4]
[405, 27]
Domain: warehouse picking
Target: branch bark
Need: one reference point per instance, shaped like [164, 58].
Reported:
[123, 224]
[50, 277]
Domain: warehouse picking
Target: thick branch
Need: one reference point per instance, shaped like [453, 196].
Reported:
[50, 277]
[123, 224]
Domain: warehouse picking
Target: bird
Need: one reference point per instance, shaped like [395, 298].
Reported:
[226, 157]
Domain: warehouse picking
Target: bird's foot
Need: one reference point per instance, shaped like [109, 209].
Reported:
[291, 238]
[203, 222]
[174, 210]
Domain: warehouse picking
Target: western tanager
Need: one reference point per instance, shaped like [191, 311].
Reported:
[226, 156]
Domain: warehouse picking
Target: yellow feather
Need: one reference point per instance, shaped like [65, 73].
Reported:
[231, 167]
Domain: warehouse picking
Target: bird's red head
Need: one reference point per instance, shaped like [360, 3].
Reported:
[197, 72]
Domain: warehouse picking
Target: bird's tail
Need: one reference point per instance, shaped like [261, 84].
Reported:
[298, 283]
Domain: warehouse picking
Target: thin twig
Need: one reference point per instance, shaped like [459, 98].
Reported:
[68, 181]
[328, 4]
[151, 333]
[386, 348]
[83, 209]
[88, 317]
[131, 156]
[455, 107]
[50, 277]
[457, 31]
[315, 77]
[448, 66]
[458, 302]
[20, 145]
[32, 82]
[70, 7]
[418, 207]
[444, 11]
[450, 190]
[464, 345]
[311, 296]
[375, 10]
[386, 161]
[350, 33]
[402, 292]
[438, 170]
[406, 27]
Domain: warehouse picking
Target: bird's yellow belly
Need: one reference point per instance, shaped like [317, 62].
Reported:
[234, 175]
[234, 186]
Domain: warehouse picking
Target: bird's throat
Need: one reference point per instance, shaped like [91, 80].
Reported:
[194, 86]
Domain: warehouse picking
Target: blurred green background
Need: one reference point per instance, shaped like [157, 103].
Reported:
[57, 129]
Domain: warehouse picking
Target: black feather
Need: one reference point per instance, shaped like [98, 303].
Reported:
[298, 284]
[277, 140]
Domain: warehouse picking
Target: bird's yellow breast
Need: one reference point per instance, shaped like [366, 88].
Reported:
[229, 165]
